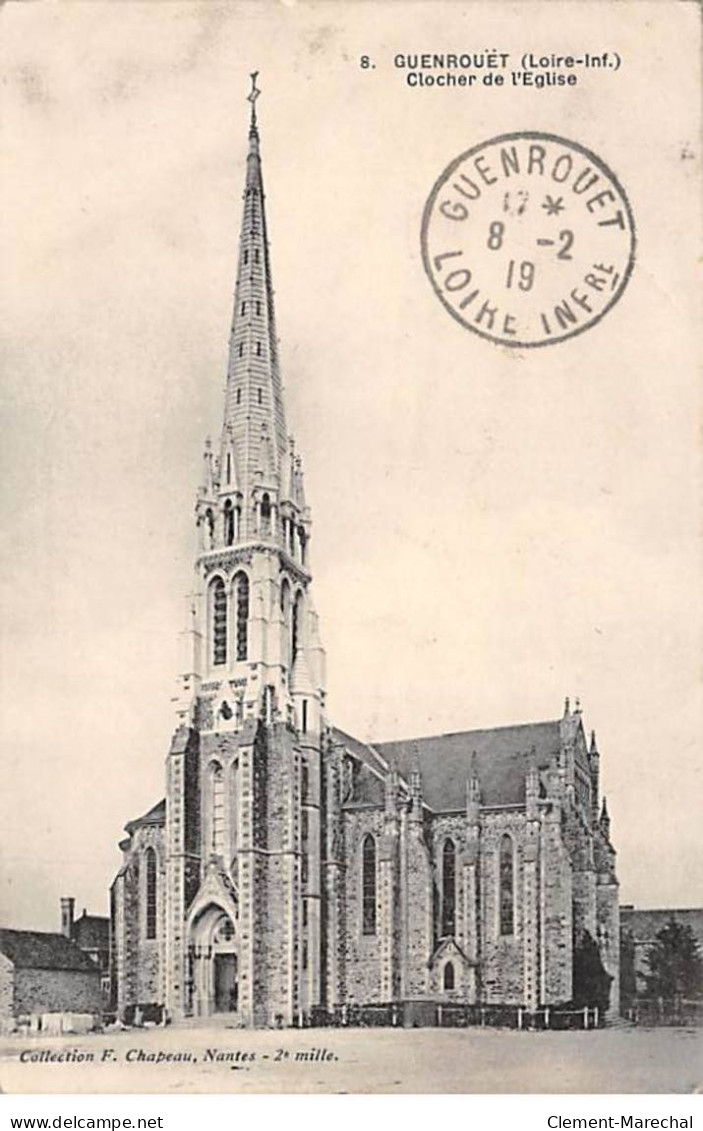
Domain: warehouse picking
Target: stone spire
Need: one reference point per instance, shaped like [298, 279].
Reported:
[254, 428]
[252, 489]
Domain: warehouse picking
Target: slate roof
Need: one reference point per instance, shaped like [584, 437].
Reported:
[368, 789]
[502, 760]
[39, 950]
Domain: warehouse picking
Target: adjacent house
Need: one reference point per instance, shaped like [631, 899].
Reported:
[42, 972]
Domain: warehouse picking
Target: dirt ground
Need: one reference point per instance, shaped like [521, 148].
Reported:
[225, 1059]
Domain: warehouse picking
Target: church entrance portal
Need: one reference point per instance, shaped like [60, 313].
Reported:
[213, 964]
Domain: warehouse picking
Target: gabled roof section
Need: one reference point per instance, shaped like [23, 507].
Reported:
[449, 947]
[502, 760]
[39, 950]
[91, 932]
[361, 750]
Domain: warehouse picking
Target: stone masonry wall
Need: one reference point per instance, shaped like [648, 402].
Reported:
[362, 952]
[57, 991]
[149, 982]
[7, 990]
[501, 957]
[556, 913]
[277, 877]
[419, 913]
[608, 935]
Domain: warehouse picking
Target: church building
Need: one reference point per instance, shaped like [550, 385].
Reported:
[292, 868]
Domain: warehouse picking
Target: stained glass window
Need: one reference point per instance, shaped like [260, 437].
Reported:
[506, 887]
[368, 885]
[449, 888]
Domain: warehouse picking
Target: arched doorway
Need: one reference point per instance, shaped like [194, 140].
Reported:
[213, 961]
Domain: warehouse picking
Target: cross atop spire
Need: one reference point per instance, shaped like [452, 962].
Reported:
[252, 97]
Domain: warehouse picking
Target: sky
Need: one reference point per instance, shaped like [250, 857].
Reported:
[493, 529]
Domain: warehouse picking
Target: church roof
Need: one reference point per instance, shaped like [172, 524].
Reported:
[41, 950]
[501, 763]
[368, 789]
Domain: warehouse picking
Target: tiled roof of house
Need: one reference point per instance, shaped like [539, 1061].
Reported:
[502, 757]
[40, 950]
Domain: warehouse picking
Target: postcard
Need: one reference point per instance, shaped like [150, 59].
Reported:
[351, 502]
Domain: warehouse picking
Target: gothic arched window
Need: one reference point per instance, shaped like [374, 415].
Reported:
[448, 980]
[229, 517]
[506, 887]
[449, 888]
[217, 808]
[368, 886]
[150, 892]
[218, 621]
[241, 598]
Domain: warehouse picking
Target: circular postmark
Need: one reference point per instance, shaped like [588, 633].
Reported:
[528, 239]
